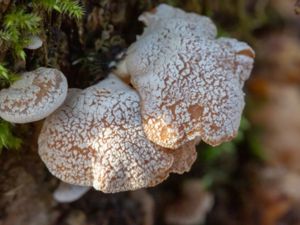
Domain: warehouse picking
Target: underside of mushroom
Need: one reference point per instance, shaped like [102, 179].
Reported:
[66, 193]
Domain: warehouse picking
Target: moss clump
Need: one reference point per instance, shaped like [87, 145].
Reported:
[7, 139]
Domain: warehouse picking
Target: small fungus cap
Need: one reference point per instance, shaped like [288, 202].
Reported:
[35, 43]
[66, 193]
[35, 96]
[190, 83]
[96, 139]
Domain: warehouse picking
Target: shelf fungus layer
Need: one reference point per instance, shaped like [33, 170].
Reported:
[96, 139]
[189, 81]
[35, 96]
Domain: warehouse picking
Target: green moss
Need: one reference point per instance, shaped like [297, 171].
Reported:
[69, 7]
[18, 27]
[6, 76]
[7, 139]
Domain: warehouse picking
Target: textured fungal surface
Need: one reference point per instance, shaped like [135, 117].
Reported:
[35, 96]
[184, 158]
[96, 139]
[176, 20]
[190, 83]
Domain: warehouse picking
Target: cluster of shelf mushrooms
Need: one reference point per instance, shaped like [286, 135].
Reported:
[177, 85]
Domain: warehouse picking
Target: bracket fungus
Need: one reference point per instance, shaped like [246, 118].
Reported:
[96, 139]
[189, 81]
[35, 96]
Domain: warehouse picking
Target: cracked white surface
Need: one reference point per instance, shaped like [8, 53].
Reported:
[96, 139]
[190, 83]
[35, 96]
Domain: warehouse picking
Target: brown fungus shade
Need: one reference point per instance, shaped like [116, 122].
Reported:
[96, 139]
[190, 83]
[34, 96]
[192, 206]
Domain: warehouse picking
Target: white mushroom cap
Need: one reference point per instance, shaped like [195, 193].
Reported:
[66, 193]
[164, 21]
[35, 96]
[190, 84]
[244, 57]
[96, 139]
[35, 43]
[178, 21]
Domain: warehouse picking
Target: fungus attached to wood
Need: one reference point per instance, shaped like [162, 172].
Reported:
[190, 83]
[96, 139]
[35, 96]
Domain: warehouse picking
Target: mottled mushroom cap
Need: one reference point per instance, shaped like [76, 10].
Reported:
[190, 83]
[35, 96]
[96, 139]
[176, 19]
